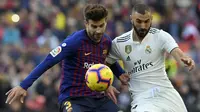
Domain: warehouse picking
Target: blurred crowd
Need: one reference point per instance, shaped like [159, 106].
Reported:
[29, 29]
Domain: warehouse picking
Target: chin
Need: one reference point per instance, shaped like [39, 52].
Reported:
[143, 35]
[98, 41]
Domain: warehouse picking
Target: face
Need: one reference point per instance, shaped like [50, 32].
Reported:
[96, 29]
[141, 23]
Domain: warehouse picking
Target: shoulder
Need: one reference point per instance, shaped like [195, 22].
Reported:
[124, 37]
[161, 37]
[156, 31]
[75, 37]
[159, 33]
[107, 38]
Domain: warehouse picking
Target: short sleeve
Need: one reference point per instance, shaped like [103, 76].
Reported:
[167, 41]
[114, 54]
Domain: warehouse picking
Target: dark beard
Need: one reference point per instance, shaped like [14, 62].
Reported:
[141, 32]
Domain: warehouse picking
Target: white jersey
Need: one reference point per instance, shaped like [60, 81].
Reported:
[143, 61]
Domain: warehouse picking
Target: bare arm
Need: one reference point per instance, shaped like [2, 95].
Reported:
[180, 57]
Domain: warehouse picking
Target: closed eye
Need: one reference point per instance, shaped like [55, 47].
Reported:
[141, 21]
[147, 21]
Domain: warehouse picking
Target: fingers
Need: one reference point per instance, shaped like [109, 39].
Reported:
[8, 92]
[188, 63]
[127, 75]
[16, 93]
[116, 91]
[13, 98]
[111, 94]
[113, 97]
[22, 99]
[125, 78]
[10, 97]
[192, 66]
[23, 96]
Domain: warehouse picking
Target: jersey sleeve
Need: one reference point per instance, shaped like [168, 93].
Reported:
[167, 41]
[114, 54]
[66, 48]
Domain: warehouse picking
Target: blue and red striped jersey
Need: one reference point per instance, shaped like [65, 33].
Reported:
[77, 53]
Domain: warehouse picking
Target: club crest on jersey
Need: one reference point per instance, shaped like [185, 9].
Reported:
[105, 51]
[56, 51]
[128, 49]
[64, 44]
[148, 50]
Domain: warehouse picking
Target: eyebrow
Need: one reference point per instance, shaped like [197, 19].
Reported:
[97, 25]
[142, 20]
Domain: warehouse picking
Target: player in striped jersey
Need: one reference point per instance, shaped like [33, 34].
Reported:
[78, 52]
[143, 52]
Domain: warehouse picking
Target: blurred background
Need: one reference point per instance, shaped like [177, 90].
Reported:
[29, 29]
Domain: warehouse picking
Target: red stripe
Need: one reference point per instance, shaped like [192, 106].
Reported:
[80, 84]
[94, 58]
[62, 75]
[84, 86]
[73, 91]
[99, 49]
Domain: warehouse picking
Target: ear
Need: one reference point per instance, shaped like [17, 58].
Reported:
[151, 17]
[131, 18]
[106, 18]
[85, 23]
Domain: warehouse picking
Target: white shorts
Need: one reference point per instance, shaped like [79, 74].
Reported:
[158, 99]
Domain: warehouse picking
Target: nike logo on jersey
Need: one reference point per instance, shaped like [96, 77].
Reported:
[86, 54]
[134, 107]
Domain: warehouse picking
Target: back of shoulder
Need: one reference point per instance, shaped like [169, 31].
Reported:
[159, 33]
[156, 31]
[124, 37]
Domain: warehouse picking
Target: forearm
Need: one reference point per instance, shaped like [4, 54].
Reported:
[37, 72]
[116, 69]
[177, 53]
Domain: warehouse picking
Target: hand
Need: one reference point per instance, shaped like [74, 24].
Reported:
[111, 92]
[16, 93]
[188, 62]
[124, 78]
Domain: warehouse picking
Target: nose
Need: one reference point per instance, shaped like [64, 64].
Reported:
[99, 30]
[143, 25]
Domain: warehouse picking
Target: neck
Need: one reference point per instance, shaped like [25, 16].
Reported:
[136, 37]
[89, 36]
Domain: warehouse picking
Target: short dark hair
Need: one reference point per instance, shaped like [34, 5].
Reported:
[95, 12]
[141, 8]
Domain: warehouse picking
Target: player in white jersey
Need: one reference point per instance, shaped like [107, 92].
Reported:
[143, 52]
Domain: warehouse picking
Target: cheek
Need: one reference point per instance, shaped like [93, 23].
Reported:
[149, 24]
[90, 29]
[137, 26]
[104, 28]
